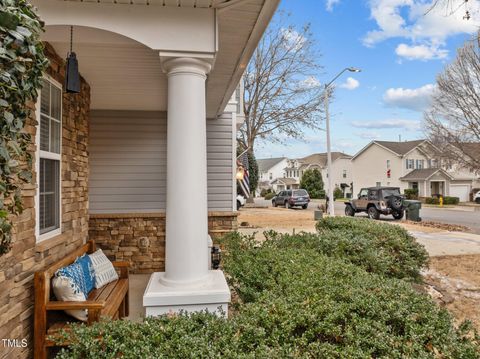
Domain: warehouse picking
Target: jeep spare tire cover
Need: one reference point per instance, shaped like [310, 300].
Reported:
[396, 202]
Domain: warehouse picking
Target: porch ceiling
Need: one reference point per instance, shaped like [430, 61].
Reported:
[126, 75]
[122, 74]
[176, 3]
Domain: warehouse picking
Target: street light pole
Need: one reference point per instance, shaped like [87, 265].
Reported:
[331, 208]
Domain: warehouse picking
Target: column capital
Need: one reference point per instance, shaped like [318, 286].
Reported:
[177, 63]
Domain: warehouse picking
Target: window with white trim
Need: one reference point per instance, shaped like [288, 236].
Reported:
[49, 176]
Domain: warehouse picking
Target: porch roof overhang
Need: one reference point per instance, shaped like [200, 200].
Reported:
[285, 181]
[118, 44]
[425, 174]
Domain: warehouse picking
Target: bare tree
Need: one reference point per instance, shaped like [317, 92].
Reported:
[453, 121]
[451, 7]
[282, 96]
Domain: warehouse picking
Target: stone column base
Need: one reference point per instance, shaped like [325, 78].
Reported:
[212, 295]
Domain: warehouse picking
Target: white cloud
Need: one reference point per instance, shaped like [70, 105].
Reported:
[409, 125]
[426, 30]
[418, 99]
[293, 39]
[350, 84]
[371, 135]
[421, 52]
[310, 82]
[331, 3]
[343, 145]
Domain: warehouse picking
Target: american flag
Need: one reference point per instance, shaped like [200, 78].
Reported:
[242, 161]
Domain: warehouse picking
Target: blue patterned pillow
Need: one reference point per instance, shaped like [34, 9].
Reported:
[88, 272]
[80, 273]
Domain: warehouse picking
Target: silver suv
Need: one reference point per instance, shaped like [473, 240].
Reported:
[292, 198]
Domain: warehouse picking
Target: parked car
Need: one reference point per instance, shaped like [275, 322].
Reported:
[476, 197]
[292, 198]
[240, 201]
[376, 201]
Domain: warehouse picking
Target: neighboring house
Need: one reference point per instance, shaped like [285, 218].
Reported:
[341, 169]
[411, 164]
[281, 184]
[142, 160]
[271, 168]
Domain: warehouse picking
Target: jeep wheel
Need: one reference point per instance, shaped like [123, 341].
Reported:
[305, 206]
[239, 205]
[477, 200]
[373, 213]
[286, 205]
[349, 211]
[398, 215]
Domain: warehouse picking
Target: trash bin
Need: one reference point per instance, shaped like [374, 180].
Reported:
[318, 215]
[413, 210]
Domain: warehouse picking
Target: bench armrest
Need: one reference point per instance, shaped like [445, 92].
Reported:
[123, 267]
[68, 305]
[120, 264]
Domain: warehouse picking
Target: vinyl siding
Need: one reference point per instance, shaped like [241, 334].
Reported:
[128, 152]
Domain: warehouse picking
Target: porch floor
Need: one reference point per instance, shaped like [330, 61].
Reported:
[138, 284]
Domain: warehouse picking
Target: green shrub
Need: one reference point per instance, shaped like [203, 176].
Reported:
[432, 200]
[312, 182]
[269, 196]
[299, 304]
[378, 247]
[451, 200]
[411, 193]
[337, 193]
[265, 191]
[321, 194]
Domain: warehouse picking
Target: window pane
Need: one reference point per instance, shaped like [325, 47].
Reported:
[54, 136]
[45, 98]
[44, 133]
[49, 195]
[56, 95]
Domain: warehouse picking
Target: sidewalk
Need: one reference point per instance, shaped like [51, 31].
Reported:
[448, 243]
[461, 207]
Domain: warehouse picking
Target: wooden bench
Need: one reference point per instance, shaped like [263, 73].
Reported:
[109, 301]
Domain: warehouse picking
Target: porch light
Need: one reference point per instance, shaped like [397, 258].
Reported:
[216, 257]
[72, 76]
[240, 173]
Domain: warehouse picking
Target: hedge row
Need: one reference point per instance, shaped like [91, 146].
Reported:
[297, 296]
[446, 200]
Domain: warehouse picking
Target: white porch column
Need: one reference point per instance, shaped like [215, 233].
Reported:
[187, 283]
[187, 207]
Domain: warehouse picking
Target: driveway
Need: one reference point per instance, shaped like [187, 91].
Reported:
[464, 216]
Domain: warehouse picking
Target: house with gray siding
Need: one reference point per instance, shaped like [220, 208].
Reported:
[142, 160]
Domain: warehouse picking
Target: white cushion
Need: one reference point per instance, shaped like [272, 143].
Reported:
[103, 269]
[65, 290]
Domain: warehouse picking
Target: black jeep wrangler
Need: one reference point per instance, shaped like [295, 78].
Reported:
[376, 201]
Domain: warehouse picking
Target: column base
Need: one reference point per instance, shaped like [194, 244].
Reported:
[212, 295]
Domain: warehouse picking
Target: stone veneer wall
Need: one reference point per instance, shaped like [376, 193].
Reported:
[18, 266]
[140, 238]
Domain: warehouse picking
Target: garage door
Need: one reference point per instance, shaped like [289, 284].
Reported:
[460, 191]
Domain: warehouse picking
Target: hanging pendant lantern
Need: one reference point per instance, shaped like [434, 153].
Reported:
[72, 76]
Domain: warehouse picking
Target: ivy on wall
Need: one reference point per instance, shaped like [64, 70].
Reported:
[22, 64]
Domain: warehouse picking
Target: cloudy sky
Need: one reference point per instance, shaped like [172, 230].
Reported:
[400, 50]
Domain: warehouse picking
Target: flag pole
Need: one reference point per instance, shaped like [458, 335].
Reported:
[241, 154]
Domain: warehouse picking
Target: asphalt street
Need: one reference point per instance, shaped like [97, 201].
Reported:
[465, 216]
